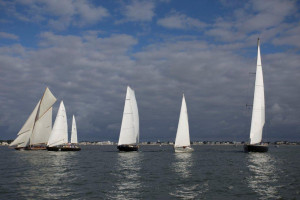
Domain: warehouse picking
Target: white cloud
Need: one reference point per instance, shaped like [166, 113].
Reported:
[180, 21]
[139, 11]
[58, 14]
[9, 36]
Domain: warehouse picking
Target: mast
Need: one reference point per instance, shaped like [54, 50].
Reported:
[183, 134]
[258, 110]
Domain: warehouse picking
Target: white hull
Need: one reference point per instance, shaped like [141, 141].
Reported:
[183, 149]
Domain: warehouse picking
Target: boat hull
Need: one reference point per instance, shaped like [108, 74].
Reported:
[183, 149]
[64, 148]
[128, 148]
[255, 148]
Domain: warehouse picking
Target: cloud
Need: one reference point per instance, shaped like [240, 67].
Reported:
[180, 21]
[139, 11]
[253, 19]
[58, 14]
[9, 36]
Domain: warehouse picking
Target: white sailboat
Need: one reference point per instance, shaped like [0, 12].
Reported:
[74, 139]
[58, 140]
[182, 141]
[129, 133]
[35, 132]
[258, 110]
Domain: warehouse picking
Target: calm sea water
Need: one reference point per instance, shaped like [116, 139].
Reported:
[100, 172]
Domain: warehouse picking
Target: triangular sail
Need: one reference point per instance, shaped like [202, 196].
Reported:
[258, 110]
[59, 133]
[129, 133]
[74, 132]
[42, 129]
[183, 134]
[24, 134]
[37, 128]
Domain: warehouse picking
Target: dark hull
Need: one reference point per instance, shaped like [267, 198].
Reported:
[63, 148]
[255, 148]
[128, 148]
[30, 148]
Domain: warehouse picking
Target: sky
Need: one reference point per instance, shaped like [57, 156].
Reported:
[87, 52]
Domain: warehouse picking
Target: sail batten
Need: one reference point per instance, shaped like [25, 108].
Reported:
[258, 109]
[129, 133]
[183, 134]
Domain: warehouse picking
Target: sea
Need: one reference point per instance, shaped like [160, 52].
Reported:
[155, 172]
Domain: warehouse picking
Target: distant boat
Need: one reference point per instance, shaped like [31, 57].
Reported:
[258, 111]
[74, 140]
[182, 141]
[35, 132]
[129, 133]
[58, 140]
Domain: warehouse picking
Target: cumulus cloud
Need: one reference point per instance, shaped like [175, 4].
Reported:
[253, 19]
[138, 11]
[8, 36]
[58, 14]
[176, 20]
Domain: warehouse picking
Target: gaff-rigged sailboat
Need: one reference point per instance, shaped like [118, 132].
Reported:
[129, 134]
[258, 111]
[35, 132]
[58, 140]
[182, 141]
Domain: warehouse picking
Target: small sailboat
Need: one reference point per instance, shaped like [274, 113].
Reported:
[58, 140]
[35, 132]
[258, 111]
[182, 141]
[74, 140]
[129, 133]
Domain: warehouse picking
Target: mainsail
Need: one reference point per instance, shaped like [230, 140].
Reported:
[59, 133]
[258, 110]
[129, 133]
[183, 134]
[37, 128]
[74, 132]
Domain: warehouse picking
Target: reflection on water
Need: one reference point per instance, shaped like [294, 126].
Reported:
[186, 188]
[127, 172]
[263, 179]
[49, 176]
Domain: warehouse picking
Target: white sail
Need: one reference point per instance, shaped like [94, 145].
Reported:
[258, 110]
[37, 128]
[183, 134]
[129, 133]
[74, 132]
[42, 129]
[59, 133]
[46, 103]
[24, 134]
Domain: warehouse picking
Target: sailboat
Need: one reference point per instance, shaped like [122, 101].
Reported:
[74, 140]
[35, 132]
[58, 140]
[258, 111]
[182, 141]
[129, 133]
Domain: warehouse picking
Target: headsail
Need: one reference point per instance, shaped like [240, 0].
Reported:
[74, 132]
[129, 133]
[59, 133]
[258, 110]
[183, 134]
